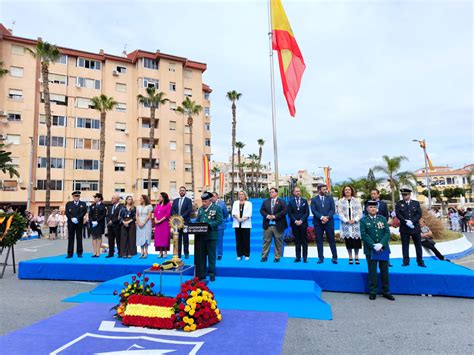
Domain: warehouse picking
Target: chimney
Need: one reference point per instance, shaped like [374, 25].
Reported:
[101, 52]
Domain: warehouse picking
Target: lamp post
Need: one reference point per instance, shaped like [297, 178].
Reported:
[30, 180]
[428, 185]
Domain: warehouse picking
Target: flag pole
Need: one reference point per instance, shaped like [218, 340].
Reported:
[427, 177]
[272, 80]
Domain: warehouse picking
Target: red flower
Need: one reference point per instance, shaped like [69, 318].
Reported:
[181, 307]
[125, 283]
[115, 293]
[152, 284]
[134, 278]
[139, 274]
[181, 314]
[146, 279]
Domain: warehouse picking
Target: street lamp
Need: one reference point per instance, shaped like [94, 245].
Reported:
[428, 186]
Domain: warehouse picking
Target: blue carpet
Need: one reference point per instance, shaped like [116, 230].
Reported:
[300, 299]
[90, 329]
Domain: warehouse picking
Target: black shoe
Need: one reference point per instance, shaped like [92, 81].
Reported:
[213, 278]
[119, 257]
[320, 261]
[388, 296]
[69, 257]
[263, 260]
[447, 260]
[109, 256]
[372, 297]
[94, 256]
[297, 260]
[334, 261]
[421, 264]
[186, 256]
[219, 257]
[390, 265]
[79, 256]
[276, 260]
[305, 261]
[405, 263]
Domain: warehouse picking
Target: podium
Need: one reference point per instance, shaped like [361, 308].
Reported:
[199, 230]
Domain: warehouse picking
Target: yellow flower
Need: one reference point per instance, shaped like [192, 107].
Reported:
[218, 311]
[189, 301]
[219, 316]
[193, 306]
[199, 299]
[198, 291]
[155, 265]
[193, 293]
[191, 312]
[129, 287]
[127, 294]
[187, 309]
[187, 328]
[185, 319]
[193, 326]
[191, 320]
[213, 306]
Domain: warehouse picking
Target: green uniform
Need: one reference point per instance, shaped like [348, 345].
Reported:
[375, 230]
[213, 216]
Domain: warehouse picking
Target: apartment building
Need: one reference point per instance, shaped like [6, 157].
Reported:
[73, 80]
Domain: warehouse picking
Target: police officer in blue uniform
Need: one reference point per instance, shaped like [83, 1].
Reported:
[75, 212]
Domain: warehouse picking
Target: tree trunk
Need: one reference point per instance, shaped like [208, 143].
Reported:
[151, 146]
[102, 150]
[47, 110]
[239, 163]
[234, 128]
[215, 181]
[190, 124]
[252, 179]
[392, 188]
[257, 188]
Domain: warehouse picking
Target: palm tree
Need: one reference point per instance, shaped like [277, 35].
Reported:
[153, 99]
[239, 146]
[2, 71]
[233, 96]
[190, 108]
[253, 164]
[6, 163]
[102, 104]
[260, 142]
[394, 177]
[215, 170]
[46, 53]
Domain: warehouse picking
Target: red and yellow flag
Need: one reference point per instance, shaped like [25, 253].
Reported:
[221, 183]
[327, 177]
[291, 60]
[423, 146]
[206, 171]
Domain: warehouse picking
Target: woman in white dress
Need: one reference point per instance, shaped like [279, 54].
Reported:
[144, 215]
[242, 224]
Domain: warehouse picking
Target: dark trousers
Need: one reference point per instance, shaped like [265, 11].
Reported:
[183, 240]
[431, 247]
[113, 235]
[74, 231]
[208, 250]
[372, 277]
[319, 229]
[128, 240]
[463, 223]
[242, 241]
[301, 240]
[405, 247]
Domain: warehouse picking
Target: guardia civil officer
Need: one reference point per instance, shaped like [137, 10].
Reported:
[75, 212]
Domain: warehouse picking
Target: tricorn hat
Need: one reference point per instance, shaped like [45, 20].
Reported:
[206, 196]
[372, 203]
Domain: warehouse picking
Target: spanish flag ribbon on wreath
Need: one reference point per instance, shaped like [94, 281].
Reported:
[291, 60]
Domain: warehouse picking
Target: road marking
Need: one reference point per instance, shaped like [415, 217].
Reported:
[35, 248]
[84, 282]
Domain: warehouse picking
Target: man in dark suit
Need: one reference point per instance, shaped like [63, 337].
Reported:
[75, 212]
[274, 212]
[97, 214]
[113, 225]
[323, 209]
[298, 211]
[382, 208]
[408, 212]
[183, 206]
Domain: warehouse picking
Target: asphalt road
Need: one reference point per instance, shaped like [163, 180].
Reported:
[410, 325]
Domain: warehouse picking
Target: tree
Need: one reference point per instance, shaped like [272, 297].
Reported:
[371, 182]
[240, 146]
[395, 178]
[233, 96]
[190, 108]
[46, 53]
[215, 170]
[6, 165]
[260, 142]
[434, 194]
[253, 165]
[102, 104]
[451, 193]
[153, 99]
[2, 71]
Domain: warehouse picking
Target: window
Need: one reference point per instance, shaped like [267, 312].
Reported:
[207, 111]
[19, 50]
[146, 123]
[207, 142]
[172, 105]
[85, 185]
[172, 145]
[172, 165]
[88, 63]
[172, 67]
[55, 120]
[55, 185]
[56, 163]
[146, 143]
[55, 141]
[14, 116]
[187, 129]
[151, 83]
[119, 187]
[57, 79]
[173, 187]
[16, 72]
[83, 102]
[87, 123]
[188, 92]
[188, 186]
[120, 147]
[12, 139]
[121, 87]
[172, 125]
[154, 183]
[86, 143]
[120, 126]
[88, 83]
[15, 94]
[155, 163]
[207, 126]
[150, 63]
[86, 164]
[187, 167]
[119, 167]
[188, 74]
[121, 70]
[15, 162]
[187, 148]
[56, 99]
[62, 59]
[121, 107]
[172, 86]
[207, 96]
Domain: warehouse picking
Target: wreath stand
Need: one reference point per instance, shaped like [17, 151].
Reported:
[4, 264]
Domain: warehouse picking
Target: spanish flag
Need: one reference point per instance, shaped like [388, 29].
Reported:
[289, 55]
[423, 146]
[206, 171]
[221, 183]
[327, 177]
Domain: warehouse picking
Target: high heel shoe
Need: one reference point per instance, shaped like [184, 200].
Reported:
[165, 255]
[160, 255]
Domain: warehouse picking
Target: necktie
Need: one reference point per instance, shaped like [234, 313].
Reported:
[273, 205]
[322, 200]
[113, 209]
[180, 205]
[298, 203]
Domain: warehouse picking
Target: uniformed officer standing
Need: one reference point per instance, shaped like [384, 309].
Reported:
[211, 214]
[409, 214]
[375, 234]
[97, 213]
[75, 212]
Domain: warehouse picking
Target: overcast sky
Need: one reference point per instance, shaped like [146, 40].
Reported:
[379, 73]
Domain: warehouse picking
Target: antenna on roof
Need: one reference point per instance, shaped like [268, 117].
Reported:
[124, 52]
[13, 26]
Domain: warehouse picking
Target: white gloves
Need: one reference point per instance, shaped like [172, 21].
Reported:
[74, 220]
[410, 224]
[94, 224]
[378, 247]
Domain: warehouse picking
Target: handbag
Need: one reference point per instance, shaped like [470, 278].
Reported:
[382, 255]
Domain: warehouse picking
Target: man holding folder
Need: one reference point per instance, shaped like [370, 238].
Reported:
[375, 234]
